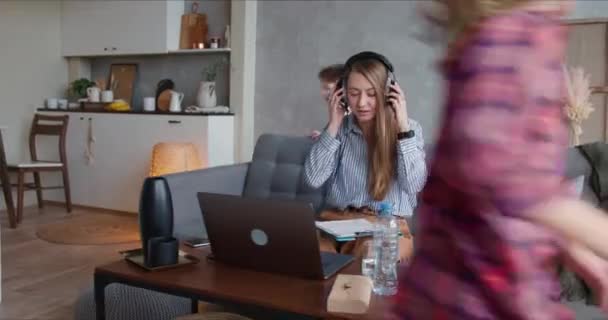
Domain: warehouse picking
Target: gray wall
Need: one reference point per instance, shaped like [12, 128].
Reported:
[590, 9]
[296, 38]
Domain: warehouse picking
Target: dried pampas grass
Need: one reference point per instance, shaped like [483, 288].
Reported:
[578, 104]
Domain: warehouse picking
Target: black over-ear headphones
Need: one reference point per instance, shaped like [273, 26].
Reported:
[366, 55]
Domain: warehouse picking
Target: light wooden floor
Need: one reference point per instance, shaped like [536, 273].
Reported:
[41, 280]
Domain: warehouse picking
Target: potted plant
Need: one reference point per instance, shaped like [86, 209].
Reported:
[79, 87]
[206, 97]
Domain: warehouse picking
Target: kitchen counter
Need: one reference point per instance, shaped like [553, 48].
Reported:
[123, 151]
[156, 113]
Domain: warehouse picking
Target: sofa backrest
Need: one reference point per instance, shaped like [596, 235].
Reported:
[276, 170]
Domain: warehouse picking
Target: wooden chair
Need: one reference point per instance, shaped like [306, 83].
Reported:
[6, 186]
[43, 125]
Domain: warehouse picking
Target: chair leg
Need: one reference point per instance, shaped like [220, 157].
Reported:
[38, 189]
[20, 192]
[66, 188]
[8, 199]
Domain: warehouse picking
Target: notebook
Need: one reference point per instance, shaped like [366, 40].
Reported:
[346, 230]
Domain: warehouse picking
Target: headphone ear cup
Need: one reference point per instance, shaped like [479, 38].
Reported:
[387, 89]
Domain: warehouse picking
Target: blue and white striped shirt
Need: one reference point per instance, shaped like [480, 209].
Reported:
[342, 162]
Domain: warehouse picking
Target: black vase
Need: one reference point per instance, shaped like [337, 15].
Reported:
[155, 213]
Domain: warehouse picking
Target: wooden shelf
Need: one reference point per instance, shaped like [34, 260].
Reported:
[200, 51]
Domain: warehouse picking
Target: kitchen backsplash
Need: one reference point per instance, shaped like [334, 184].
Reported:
[186, 71]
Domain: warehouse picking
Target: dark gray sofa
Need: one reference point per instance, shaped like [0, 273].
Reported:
[275, 172]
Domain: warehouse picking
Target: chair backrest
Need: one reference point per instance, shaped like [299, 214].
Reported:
[47, 125]
[277, 168]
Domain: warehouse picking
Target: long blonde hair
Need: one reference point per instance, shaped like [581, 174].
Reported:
[382, 147]
[456, 17]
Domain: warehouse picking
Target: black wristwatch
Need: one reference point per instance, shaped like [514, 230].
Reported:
[406, 135]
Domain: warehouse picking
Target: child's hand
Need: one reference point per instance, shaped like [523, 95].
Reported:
[596, 277]
[593, 269]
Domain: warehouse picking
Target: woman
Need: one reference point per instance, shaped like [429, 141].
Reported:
[372, 154]
[496, 216]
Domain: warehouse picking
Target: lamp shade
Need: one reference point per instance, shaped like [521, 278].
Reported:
[168, 157]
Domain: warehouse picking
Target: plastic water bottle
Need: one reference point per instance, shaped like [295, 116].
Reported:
[386, 247]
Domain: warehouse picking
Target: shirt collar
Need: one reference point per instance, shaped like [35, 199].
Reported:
[351, 124]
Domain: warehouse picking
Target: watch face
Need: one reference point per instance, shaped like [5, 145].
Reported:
[406, 135]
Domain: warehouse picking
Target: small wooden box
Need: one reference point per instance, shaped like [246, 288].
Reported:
[350, 294]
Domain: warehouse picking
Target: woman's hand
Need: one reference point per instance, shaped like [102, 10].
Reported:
[336, 112]
[396, 100]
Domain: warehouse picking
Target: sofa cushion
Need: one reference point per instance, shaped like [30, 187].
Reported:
[277, 168]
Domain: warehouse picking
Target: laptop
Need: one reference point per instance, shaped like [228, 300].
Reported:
[276, 236]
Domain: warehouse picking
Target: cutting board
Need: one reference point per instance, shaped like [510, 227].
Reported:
[164, 100]
[194, 29]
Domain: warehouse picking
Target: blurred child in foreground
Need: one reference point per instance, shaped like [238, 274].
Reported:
[496, 215]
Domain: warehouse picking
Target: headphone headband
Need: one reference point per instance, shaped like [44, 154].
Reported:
[366, 55]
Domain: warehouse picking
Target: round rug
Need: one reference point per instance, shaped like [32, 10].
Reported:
[92, 228]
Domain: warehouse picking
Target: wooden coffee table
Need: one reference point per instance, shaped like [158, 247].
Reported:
[215, 282]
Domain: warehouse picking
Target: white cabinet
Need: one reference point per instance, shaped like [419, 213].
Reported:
[122, 152]
[102, 27]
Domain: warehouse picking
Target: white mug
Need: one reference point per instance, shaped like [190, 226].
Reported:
[51, 103]
[107, 96]
[63, 104]
[176, 101]
[149, 104]
[93, 94]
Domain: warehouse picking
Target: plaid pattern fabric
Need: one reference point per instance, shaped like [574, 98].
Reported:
[501, 150]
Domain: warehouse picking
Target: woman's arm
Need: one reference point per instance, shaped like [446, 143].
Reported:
[411, 163]
[322, 160]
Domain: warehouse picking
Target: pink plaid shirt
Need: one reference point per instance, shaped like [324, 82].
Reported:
[501, 150]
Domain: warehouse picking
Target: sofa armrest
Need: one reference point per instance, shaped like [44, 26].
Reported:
[187, 216]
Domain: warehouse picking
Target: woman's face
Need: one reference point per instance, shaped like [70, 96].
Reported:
[361, 97]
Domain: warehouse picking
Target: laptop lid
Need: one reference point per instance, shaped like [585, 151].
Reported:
[277, 236]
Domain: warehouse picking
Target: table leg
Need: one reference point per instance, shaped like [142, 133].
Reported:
[194, 305]
[100, 302]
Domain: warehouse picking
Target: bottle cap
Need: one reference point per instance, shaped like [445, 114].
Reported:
[386, 209]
